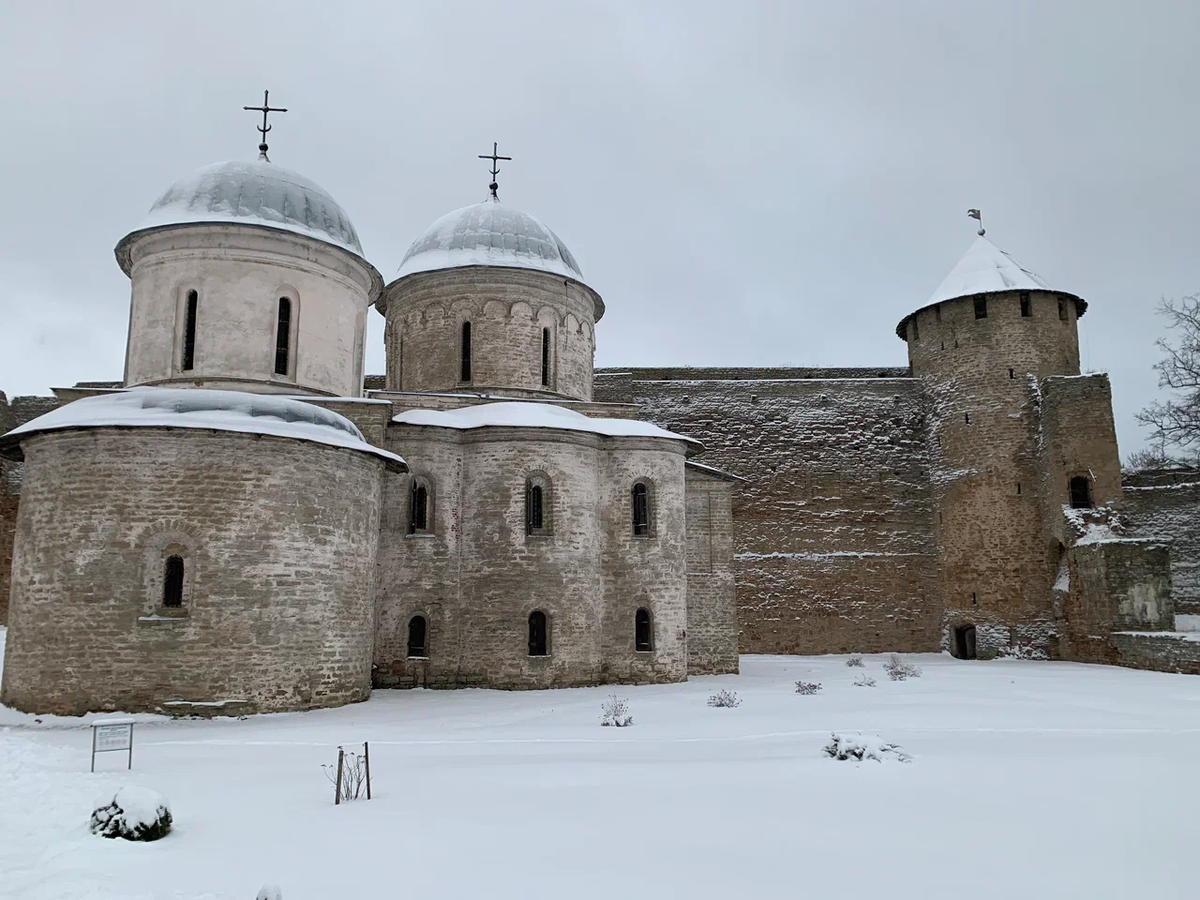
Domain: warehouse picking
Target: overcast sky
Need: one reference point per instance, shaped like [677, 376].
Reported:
[745, 183]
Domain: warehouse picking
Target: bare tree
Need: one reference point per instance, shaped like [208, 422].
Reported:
[1175, 422]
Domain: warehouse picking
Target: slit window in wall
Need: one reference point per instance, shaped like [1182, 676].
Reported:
[539, 644]
[283, 336]
[1026, 305]
[916, 331]
[537, 500]
[641, 509]
[418, 507]
[173, 582]
[1062, 309]
[1012, 373]
[937, 315]
[1018, 488]
[981, 307]
[188, 357]
[545, 357]
[465, 368]
[1081, 492]
[642, 640]
[418, 630]
[967, 418]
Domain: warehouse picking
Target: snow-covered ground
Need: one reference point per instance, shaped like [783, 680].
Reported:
[1027, 779]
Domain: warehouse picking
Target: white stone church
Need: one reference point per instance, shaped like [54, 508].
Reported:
[240, 526]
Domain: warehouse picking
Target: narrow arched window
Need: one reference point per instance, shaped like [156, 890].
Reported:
[641, 509]
[418, 508]
[642, 641]
[417, 633]
[534, 515]
[173, 582]
[188, 356]
[283, 336]
[545, 357]
[1081, 492]
[465, 373]
[538, 642]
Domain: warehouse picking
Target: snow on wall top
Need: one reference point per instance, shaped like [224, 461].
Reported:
[986, 269]
[249, 193]
[489, 234]
[152, 407]
[517, 414]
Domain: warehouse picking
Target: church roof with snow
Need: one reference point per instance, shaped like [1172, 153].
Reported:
[235, 411]
[257, 193]
[986, 269]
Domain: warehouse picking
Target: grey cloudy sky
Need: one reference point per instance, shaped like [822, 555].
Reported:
[751, 183]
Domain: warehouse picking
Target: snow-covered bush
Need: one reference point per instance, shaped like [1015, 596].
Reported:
[133, 813]
[855, 662]
[269, 892]
[354, 775]
[860, 747]
[807, 687]
[1020, 651]
[864, 680]
[616, 712]
[725, 699]
[899, 670]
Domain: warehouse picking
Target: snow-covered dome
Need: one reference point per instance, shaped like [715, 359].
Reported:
[489, 234]
[987, 269]
[249, 193]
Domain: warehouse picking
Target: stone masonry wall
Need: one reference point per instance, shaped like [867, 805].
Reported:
[279, 539]
[833, 531]
[1166, 505]
[712, 625]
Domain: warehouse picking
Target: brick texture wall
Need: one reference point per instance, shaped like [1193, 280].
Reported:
[1166, 505]
[279, 538]
[712, 638]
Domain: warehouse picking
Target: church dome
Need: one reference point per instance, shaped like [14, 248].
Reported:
[256, 193]
[489, 234]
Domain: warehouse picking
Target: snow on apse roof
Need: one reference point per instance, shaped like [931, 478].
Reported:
[489, 234]
[515, 414]
[212, 410]
[250, 193]
[986, 269]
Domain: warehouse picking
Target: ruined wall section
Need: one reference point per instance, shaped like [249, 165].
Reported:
[1165, 504]
[833, 529]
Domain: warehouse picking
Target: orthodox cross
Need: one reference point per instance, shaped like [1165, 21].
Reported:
[978, 217]
[495, 170]
[264, 128]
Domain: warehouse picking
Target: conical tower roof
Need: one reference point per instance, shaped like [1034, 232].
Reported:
[987, 269]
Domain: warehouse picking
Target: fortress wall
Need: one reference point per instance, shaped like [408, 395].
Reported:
[712, 624]
[834, 547]
[1166, 505]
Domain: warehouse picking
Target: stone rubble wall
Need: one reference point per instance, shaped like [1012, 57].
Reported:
[712, 623]
[1165, 505]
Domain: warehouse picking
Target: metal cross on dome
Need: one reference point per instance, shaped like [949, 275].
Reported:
[495, 169]
[264, 128]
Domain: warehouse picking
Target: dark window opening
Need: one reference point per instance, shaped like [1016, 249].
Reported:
[545, 357]
[943, 345]
[416, 637]
[937, 314]
[1026, 306]
[173, 583]
[1018, 487]
[974, 599]
[916, 331]
[641, 631]
[964, 642]
[981, 307]
[1062, 309]
[1081, 492]
[537, 633]
[641, 509]
[967, 418]
[465, 374]
[418, 518]
[189, 332]
[534, 517]
[1012, 373]
[283, 335]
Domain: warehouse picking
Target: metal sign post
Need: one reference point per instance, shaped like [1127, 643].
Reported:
[112, 734]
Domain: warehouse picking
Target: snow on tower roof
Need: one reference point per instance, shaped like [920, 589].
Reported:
[517, 414]
[986, 269]
[236, 411]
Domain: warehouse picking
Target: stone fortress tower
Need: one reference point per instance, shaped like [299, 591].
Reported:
[234, 528]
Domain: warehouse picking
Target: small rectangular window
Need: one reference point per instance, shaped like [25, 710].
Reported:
[1081, 492]
[1026, 306]
[1018, 488]
[1012, 373]
[466, 352]
[545, 357]
[981, 307]
[967, 418]
[1062, 309]
[283, 334]
[189, 332]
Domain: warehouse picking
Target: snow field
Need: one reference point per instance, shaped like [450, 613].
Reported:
[1027, 778]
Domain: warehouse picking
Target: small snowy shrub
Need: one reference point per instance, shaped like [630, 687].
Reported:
[134, 813]
[854, 662]
[807, 687]
[725, 699]
[860, 747]
[354, 775]
[269, 892]
[616, 712]
[899, 670]
[864, 680]
[1021, 651]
